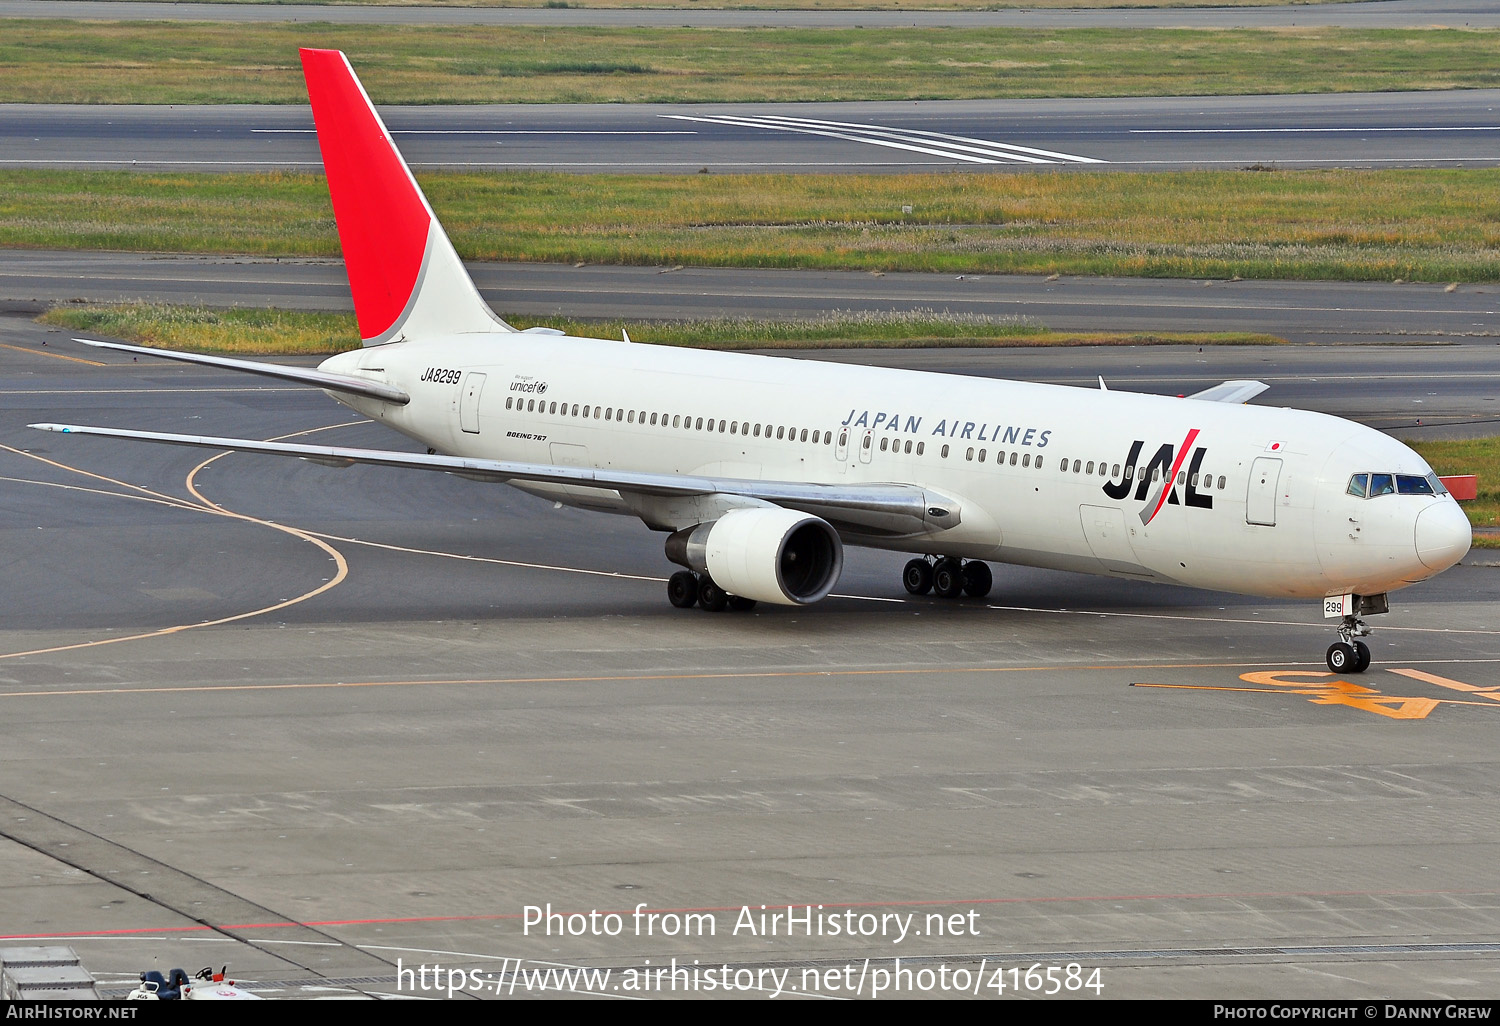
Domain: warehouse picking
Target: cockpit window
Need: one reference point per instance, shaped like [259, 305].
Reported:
[1368, 486]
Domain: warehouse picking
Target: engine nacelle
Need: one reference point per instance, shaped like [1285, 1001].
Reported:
[765, 553]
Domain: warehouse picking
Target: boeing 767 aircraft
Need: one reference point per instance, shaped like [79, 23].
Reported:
[759, 470]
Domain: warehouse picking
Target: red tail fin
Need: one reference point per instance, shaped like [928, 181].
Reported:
[394, 248]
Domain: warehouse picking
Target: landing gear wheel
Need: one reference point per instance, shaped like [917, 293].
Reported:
[740, 604]
[1342, 658]
[977, 578]
[917, 577]
[948, 578]
[682, 589]
[711, 597]
[1352, 656]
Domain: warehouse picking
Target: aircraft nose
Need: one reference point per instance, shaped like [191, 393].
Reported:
[1443, 535]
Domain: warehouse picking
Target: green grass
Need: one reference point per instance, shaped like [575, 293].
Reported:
[1427, 225]
[282, 332]
[1480, 456]
[198, 62]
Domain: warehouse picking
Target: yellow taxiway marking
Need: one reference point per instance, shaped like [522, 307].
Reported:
[149, 495]
[1455, 685]
[1323, 691]
[56, 356]
[615, 679]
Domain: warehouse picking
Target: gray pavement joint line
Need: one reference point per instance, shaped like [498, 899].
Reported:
[45, 833]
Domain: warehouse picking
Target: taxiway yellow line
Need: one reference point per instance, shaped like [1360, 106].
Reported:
[56, 356]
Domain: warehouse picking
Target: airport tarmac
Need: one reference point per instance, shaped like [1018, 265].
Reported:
[309, 722]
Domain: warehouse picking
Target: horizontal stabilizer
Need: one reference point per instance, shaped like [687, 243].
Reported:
[302, 375]
[1232, 392]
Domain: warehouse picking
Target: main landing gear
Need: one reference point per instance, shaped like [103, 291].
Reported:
[948, 577]
[686, 589]
[1348, 655]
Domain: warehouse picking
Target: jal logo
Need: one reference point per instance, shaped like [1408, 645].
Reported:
[1155, 483]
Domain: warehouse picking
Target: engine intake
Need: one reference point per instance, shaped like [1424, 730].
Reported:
[767, 553]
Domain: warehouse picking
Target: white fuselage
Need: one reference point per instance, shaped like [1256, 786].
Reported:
[1258, 504]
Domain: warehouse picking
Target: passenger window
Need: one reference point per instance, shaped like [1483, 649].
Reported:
[508, 401]
[981, 454]
[1039, 463]
[1221, 482]
[552, 408]
[944, 453]
[1182, 477]
[653, 420]
[1091, 466]
[884, 444]
[1359, 485]
[908, 448]
[1064, 466]
[1130, 472]
[575, 409]
[757, 431]
[1026, 460]
[699, 426]
[1013, 460]
[920, 447]
[1114, 471]
[1381, 484]
[780, 433]
[970, 454]
[632, 416]
[868, 439]
[804, 435]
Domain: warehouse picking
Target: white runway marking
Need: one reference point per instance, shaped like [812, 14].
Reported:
[939, 144]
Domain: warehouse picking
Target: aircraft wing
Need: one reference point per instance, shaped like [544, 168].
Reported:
[1232, 392]
[302, 375]
[890, 507]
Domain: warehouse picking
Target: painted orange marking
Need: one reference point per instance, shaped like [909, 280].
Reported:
[55, 356]
[1455, 685]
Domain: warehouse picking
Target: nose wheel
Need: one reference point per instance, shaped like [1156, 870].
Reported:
[1349, 655]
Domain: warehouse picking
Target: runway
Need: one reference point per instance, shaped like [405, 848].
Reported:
[1433, 129]
[308, 722]
[1382, 14]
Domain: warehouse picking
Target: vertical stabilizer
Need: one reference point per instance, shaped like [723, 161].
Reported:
[405, 277]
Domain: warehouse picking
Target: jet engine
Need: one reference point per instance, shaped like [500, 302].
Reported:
[765, 553]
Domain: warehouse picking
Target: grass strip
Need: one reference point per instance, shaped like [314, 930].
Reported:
[282, 332]
[1412, 224]
[1480, 456]
[56, 61]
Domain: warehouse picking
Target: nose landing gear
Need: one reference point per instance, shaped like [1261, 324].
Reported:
[1348, 655]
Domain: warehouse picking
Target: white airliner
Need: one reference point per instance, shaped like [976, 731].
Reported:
[759, 469]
